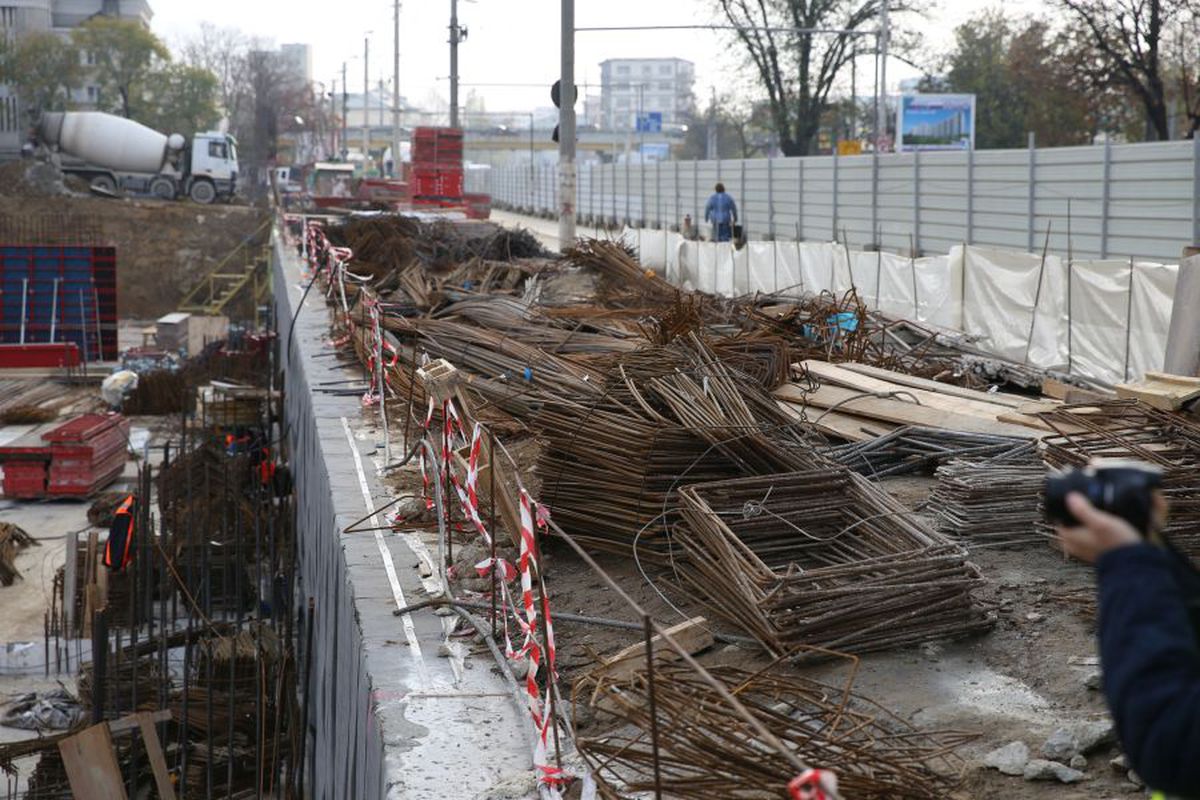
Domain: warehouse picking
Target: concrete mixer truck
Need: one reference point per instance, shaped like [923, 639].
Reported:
[114, 153]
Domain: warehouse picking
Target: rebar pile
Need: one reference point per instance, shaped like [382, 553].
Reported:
[994, 501]
[388, 242]
[1129, 429]
[623, 280]
[823, 558]
[706, 750]
[913, 448]
[667, 417]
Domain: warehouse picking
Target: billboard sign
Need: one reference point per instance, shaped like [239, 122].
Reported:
[650, 122]
[936, 122]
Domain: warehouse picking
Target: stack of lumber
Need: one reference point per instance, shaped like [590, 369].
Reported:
[1162, 391]
[857, 402]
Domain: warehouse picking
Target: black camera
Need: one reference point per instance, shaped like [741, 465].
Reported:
[1123, 488]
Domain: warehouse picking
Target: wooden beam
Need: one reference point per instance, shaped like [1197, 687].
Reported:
[91, 765]
[1163, 391]
[995, 398]
[693, 635]
[154, 752]
[901, 412]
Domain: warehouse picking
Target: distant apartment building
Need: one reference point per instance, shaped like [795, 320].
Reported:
[295, 61]
[648, 85]
[20, 17]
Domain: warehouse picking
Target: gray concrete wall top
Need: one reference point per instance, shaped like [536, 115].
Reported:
[391, 715]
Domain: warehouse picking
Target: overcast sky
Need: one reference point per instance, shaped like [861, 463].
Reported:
[511, 41]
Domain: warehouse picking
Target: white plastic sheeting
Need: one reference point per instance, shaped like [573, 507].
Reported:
[1113, 329]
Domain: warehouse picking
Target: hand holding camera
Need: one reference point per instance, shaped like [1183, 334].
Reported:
[1107, 505]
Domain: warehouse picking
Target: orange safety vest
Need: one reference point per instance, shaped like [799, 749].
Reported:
[266, 467]
[118, 552]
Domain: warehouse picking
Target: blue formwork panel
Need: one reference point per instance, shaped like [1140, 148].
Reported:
[52, 293]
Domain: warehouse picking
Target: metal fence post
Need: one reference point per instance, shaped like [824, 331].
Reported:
[742, 197]
[875, 200]
[835, 196]
[1032, 188]
[696, 192]
[771, 197]
[799, 198]
[970, 195]
[629, 182]
[1196, 190]
[1107, 168]
[675, 208]
[916, 247]
[658, 194]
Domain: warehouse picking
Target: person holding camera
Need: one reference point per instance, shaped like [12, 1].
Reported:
[1149, 627]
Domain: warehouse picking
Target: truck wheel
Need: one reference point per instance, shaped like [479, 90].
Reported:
[104, 183]
[163, 188]
[202, 192]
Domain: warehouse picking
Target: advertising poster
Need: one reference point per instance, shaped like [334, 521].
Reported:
[936, 122]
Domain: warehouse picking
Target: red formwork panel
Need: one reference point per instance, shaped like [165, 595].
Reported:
[60, 293]
[24, 356]
[25, 479]
[444, 183]
[87, 454]
[75, 459]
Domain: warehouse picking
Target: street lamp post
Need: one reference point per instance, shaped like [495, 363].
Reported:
[366, 126]
[345, 103]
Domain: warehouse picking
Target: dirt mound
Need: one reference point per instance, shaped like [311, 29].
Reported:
[31, 179]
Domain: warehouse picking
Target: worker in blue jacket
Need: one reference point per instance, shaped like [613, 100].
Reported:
[722, 212]
[1149, 651]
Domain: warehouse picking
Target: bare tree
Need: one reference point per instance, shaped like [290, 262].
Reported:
[224, 52]
[799, 70]
[1133, 39]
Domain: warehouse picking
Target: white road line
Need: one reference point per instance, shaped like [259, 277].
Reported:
[410, 631]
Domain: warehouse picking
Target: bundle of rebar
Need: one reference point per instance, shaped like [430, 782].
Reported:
[704, 750]
[823, 558]
[667, 416]
[622, 278]
[914, 448]
[995, 501]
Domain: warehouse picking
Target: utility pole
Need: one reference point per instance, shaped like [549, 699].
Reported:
[710, 144]
[881, 108]
[366, 126]
[345, 103]
[453, 63]
[566, 130]
[396, 87]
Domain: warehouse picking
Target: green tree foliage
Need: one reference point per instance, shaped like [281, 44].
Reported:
[182, 99]
[125, 54]
[43, 68]
[1022, 80]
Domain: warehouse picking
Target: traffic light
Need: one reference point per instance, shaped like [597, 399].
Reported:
[556, 96]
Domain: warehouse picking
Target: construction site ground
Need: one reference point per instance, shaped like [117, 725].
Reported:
[1022, 680]
[1033, 673]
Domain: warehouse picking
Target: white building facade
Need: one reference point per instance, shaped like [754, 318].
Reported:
[629, 86]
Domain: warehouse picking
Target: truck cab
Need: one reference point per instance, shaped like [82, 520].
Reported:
[213, 168]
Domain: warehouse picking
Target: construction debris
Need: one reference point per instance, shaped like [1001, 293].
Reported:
[55, 710]
[701, 749]
[12, 540]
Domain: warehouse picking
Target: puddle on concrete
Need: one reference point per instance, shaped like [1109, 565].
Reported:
[987, 693]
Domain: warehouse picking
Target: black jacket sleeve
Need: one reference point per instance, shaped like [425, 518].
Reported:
[1151, 665]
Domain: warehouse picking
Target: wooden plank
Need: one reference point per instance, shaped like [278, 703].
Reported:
[995, 398]
[842, 426]
[1162, 391]
[154, 752]
[828, 373]
[91, 765]
[132, 721]
[1068, 393]
[901, 412]
[692, 635]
